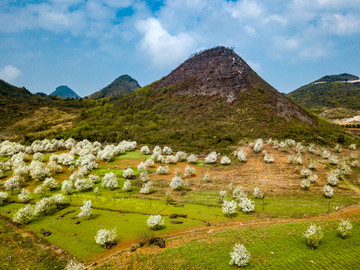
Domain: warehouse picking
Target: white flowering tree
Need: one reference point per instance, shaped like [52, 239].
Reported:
[313, 235]
[241, 155]
[167, 150]
[189, 171]
[332, 178]
[24, 215]
[74, 265]
[12, 183]
[258, 145]
[50, 183]
[142, 166]
[222, 194]
[211, 158]
[106, 238]
[240, 256]
[155, 222]
[192, 159]
[328, 191]
[146, 188]
[145, 150]
[127, 185]
[305, 184]
[163, 170]
[67, 187]
[38, 170]
[41, 190]
[246, 205]
[344, 228]
[38, 156]
[258, 193]
[86, 209]
[45, 205]
[128, 173]
[181, 156]
[109, 181]
[225, 160]
[58, 200]
[83, 184]
[3, 197]
[24, 195]
[176, 183]
[229, 208]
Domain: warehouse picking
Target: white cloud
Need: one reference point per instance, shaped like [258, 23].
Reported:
[254, 65]
[244, 9]
[164, 49]
[9, 73]
[341, 24]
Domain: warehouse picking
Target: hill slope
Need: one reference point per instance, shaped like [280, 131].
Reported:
[64, 91]
[211, 101]
[329, 92]
[120, 86]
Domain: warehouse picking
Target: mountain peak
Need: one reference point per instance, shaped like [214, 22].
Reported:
[217, 71]
[64, 91]
[344, 77]
[124, 84]
[221, 72]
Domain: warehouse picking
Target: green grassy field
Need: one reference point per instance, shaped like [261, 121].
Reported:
[19, 252]
[279, 246]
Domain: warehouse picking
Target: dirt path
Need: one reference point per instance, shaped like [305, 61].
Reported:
[120, 257]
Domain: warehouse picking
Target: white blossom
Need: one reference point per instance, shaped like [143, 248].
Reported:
[83, 184]
[352, 146]
[145, 150]
[128, 173]
[50, 183]
[167, 150]
[155, 222]
[157, 150]
[328, 191]
[67, 186]
[222, 194]
[24, 215]
[110, 181]
[171, 159]
[176, 183]
[305, 183]
[313, 178]
[41, 190]
[146, 188]
[229, 207]
[25, 195]
[333, 160]
[240, 256]
[338, 148]
[105, 237]
[182, 156]
[312, 164]
[45, 206]
[313, 235]
[241, 155]
[86, 209]
[258, 145]
[258, 194]
[3, 197]
[238, 193]
[163, 170]
[38, 156]
[73, 265]
[12, 183]
[141, 166]
[225, 160]
[192, 158]
[149, 162]
[211, 158]
[344, 228]
[127, 185]
[246, 205]
[332, 178]
[269, 158]
[189, 171]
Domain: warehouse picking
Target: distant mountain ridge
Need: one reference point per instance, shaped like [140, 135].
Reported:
[65, 92]
[124, 84]
[328, 92]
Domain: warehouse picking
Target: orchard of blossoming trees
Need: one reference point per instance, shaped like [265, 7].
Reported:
[97, 181]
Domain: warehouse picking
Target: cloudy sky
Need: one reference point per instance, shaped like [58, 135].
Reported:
[87, 44]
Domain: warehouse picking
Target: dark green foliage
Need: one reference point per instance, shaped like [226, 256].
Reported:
[122, 85]
[332, 94]
[64, 91]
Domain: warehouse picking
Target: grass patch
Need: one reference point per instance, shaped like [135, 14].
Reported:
[279, 246]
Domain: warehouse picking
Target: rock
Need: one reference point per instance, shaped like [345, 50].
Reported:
[208, 224]
[94, 264]
[176, 222]
[133, 248]
[159, 241]
[7, 212]
[77, 222]
[45, 232]
[177, 215]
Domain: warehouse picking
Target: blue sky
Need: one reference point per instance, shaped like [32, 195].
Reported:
[87, 44]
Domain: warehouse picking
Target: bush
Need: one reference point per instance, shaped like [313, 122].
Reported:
[155, 222]
[344, 228]
[105, 237]
[313, 235]
[240, 256]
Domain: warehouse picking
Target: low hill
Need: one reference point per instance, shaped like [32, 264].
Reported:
[64, 91]
[124, 84]
[212, 101]
[340, 92]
